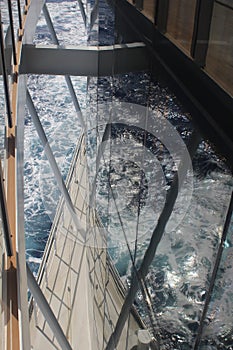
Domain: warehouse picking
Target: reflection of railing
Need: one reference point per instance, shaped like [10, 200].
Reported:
[15, 298]
[14, 49]
[5, 76]
[15, 177]
[52, 237]
[102, 281]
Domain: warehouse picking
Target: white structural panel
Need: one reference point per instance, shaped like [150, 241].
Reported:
[84, 61]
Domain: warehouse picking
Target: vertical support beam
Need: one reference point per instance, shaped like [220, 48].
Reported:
[139, 4]
[33, 13]
[161, 15]
[12, 322]
[12, 32]
[13, 315]
[20, 231]
[4, 73]
[201, 31]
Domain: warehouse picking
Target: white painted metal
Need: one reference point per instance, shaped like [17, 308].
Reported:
[20, 235]
[34, 12]
[85, 60]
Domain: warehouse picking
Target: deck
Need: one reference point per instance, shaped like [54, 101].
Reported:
[78, 280]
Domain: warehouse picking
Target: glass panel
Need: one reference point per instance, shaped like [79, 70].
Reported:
[180, 22]
[220, 55]
[179, 278]
[129, 199]
[217, 331]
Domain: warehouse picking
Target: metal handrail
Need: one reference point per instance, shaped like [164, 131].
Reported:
[19, 15]
[10, 13]
[4, 215]
[5, 77]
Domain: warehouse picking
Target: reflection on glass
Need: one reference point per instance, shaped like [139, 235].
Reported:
[219, 55]
[178, 279]
[217, 330]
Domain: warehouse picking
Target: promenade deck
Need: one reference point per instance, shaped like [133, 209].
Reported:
[78, 279]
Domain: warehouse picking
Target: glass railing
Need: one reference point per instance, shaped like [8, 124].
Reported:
[171, 300]
[179, 296]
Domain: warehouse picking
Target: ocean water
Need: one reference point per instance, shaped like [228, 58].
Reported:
[179, 277]
[178, 280]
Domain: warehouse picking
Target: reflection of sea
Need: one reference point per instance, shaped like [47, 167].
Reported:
[179, 276]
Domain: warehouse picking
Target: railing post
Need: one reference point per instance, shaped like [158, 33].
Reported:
[161, 15]
[4, 215]
[12, 32]
[201, 31]
[4, 73]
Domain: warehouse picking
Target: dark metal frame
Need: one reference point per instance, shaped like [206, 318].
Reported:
[161, 15]
[4, 215]
[201, 32]
[210, 106]
[5, 76]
